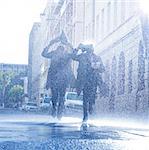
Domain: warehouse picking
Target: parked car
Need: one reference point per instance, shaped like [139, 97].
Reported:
[46, 103]
[30, 106]
[73, 101]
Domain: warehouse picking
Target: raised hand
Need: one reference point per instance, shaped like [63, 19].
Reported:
[63, 38]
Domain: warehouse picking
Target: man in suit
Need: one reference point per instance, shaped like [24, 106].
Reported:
[88, 76]
[59, 74]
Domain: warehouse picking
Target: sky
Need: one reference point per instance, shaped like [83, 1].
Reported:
[16, 20]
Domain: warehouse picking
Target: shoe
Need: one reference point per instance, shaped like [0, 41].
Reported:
[91, 110]
[85, 118]
[60, 112]
[84, 126]
[59, 116]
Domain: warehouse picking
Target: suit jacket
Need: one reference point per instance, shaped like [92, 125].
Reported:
[60, 72]
[86, 72]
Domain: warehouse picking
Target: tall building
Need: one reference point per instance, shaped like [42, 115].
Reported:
[33, 61]
[119, 30]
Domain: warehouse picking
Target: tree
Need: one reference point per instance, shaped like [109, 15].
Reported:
[107, 77]
[113, 84]
[15, 94]
[5, 79]
[121, 74]
[130, 67]
[141, 68]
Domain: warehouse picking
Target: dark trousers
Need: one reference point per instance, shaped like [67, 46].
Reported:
[58, 94]
[89, 96]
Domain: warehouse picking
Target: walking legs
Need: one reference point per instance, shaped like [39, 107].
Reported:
[58, 94]
[54, 98]
[85, 104]
[89, 95]
[61, 102]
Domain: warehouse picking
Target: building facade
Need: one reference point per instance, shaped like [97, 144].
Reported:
[16, 68]
[33, 61]
[120, 42]
[119, 30]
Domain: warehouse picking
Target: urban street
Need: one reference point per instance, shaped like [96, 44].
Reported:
[74, 75]
[30, 131]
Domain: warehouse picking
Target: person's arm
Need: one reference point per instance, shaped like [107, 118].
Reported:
[70, 46]
[45, 52]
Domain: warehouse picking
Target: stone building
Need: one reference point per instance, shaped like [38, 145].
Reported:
[121, 42]
[33, 62]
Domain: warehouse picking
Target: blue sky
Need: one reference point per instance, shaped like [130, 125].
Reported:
[16, 20]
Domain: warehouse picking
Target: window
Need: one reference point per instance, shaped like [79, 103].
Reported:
[108, 16]
[71, 8]
[123, 10]
[86, 32]
[115, 13]
[90, 31]
[74, 96]
[97, 27]
[74, 8]
[102, 22]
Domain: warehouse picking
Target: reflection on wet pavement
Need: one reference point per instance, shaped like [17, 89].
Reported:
[29, 134]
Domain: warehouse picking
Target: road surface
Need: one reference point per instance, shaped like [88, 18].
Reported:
[41, 132]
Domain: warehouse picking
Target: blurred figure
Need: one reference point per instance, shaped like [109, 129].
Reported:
[88, 76]
[59, 73]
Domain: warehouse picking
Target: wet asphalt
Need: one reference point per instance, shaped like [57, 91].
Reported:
[24, 131]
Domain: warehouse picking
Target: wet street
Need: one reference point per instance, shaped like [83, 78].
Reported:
[38, 131]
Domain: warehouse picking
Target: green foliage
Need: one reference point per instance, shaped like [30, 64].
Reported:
[11, 88]
[5, 78]
[15, 94]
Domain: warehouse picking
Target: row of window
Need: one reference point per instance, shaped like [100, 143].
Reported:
[111, 16]
[108, 18]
